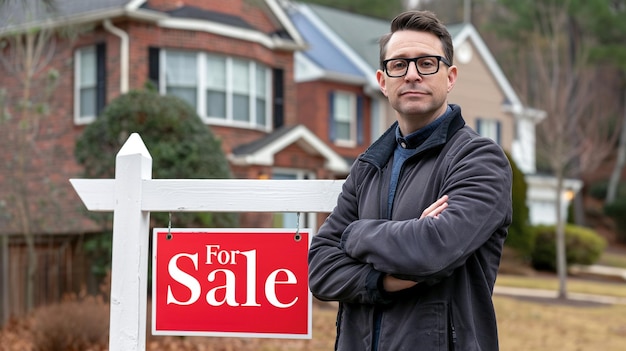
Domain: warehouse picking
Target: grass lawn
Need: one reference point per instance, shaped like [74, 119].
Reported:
[546, 326]
[524, 324]
[613, 259]
[550, 282]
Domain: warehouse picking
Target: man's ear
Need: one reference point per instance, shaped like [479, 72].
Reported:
[452, 74]
[380, 76]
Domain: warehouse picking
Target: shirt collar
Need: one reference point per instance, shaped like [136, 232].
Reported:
[416, 138]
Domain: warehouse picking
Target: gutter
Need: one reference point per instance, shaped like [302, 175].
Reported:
[124, 53]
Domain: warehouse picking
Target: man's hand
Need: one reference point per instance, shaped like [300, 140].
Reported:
[392, 284]
[436, 208]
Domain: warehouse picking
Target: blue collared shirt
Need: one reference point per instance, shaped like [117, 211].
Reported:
[405, 148]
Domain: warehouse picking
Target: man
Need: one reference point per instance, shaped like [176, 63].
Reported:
[412, 249]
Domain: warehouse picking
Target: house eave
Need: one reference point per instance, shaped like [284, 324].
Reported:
[264, 156]
[231, 32]
[85, 18]
[162, 20]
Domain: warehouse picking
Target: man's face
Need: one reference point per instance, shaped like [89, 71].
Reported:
[417, 99]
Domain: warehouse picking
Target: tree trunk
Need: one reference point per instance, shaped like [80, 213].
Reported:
[561, 260]
[4, 255]
[616, 175]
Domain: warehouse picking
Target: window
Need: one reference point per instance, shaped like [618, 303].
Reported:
[345, 119]
[89, 83]
[489, 128]
[216, 87]
[181, 74]
[224, 90]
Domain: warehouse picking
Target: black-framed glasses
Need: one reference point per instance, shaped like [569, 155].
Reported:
[426, 65]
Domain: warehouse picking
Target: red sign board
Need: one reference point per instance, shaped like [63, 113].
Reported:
[231, 282]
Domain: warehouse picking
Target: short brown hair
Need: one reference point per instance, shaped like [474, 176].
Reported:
[421, 21]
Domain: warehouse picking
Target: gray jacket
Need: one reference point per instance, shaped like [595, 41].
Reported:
[454, 258]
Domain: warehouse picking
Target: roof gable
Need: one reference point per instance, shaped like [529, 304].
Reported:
[263, 151]
[465, 32]
[320, 31]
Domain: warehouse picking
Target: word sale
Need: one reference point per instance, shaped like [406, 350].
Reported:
[215, 255]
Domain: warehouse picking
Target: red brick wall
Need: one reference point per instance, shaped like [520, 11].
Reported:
[313, 110]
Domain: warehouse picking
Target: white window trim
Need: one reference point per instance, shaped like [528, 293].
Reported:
[352, 142]
[492, 125]
[228, 121]
[78, 119]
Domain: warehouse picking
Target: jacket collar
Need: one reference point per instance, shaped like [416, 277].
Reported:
[382, 149]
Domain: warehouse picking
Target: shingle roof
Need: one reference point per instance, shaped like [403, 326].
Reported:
[321, 50]
[359, 32]
[25, 11]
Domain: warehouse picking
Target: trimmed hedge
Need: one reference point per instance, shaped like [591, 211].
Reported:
[582, 246]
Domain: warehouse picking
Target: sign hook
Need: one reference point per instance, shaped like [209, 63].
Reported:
[169, 227]
[297, 237]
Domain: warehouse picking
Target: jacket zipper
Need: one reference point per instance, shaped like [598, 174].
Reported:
[338, 325]
[452, 330]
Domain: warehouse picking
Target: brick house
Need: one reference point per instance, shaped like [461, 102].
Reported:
[289, 88]
[232, 60]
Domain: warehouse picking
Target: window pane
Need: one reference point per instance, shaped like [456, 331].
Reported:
[88, 67]
[342, 130]
[216, 73]
[216, 104]
[261, 81]
[187, 94]
[241, 77]
[88, 101]
[180, 69]
[261, 117]
[342, 108]
[241, 107]
[488, 128]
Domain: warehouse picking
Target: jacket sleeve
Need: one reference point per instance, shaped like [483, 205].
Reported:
[333, 275]
[478, 183]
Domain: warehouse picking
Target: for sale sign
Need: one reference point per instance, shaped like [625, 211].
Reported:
[231, 282]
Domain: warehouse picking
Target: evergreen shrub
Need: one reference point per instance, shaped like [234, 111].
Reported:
[181, 146]
[582, 246]
[520, 236]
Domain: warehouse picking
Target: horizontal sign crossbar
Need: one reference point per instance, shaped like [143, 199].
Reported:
[217, 195]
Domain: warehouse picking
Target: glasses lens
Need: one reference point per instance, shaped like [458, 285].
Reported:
[428, 65]
[397, 67]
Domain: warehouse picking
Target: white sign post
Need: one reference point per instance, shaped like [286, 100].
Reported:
[132, 195]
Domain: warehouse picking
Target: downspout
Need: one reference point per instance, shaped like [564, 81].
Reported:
[124, 53]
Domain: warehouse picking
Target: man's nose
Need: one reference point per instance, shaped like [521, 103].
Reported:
[412, 73]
